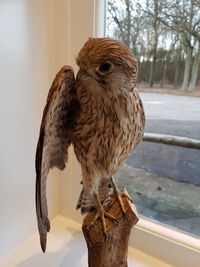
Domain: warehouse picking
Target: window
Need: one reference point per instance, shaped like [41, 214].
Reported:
[164, 180]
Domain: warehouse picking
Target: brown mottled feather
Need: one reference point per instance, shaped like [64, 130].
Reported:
[101, 115]
[54, 138]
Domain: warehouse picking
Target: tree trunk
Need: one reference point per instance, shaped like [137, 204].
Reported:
[155, 46]
[175, 85]
[188, 64]
[153, 64]
[110, 250]
[128, 22]
[164, 72]
[177, 70]
[194, 71]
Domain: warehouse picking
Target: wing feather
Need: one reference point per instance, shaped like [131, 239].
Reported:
[54, 139]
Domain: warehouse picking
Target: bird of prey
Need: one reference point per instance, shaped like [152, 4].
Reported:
[101, 114]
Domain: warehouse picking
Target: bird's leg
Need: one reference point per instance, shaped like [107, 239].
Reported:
[101, 213]
[119, 196]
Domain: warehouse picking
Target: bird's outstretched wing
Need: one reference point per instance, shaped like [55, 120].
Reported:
[54, 139]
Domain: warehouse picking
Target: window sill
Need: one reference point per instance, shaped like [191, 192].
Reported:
[66, 247]
[169, 245]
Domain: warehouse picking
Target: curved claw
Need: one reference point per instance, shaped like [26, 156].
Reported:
[101, 213]
[120, 195]
[126, 195]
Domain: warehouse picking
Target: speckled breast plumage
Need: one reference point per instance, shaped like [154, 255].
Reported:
[107, 129]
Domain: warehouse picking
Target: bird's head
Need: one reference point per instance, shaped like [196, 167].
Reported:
[107, 61]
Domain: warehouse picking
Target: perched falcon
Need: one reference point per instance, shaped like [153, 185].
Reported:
[101, 114]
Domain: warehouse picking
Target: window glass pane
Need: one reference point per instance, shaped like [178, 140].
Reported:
[164, 35]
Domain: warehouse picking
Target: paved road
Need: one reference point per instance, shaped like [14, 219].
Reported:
[176, 115]
[171, 107]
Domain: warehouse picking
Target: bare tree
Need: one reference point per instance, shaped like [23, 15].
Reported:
[152, 7]
[129, 22]
[163, 34]
[183, 17]
[195, 69]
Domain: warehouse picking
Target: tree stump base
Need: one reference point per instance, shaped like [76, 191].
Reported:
[110, 250]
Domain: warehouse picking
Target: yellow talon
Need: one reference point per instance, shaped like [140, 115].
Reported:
[124, 194]
[119, 196]
[101, 213]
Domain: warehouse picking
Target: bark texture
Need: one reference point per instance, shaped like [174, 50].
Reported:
[195, 69]
[188, 65]
[110, 250]
[172, 140]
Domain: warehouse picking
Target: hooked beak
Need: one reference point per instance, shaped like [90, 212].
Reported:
[81, 75]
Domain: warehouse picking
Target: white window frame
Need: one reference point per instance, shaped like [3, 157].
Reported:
[167, 244]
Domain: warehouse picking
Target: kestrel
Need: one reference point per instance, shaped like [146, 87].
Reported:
[101, 114]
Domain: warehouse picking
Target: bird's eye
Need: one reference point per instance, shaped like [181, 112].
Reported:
[104, 68]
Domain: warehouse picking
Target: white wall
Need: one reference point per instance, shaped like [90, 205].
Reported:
[27, 66]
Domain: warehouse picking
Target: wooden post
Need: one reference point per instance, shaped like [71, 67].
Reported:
[112, 250]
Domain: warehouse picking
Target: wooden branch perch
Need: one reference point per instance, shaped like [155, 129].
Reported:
[172, 140]
[112, 250]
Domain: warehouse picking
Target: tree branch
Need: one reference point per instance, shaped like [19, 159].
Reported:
[112, 250]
